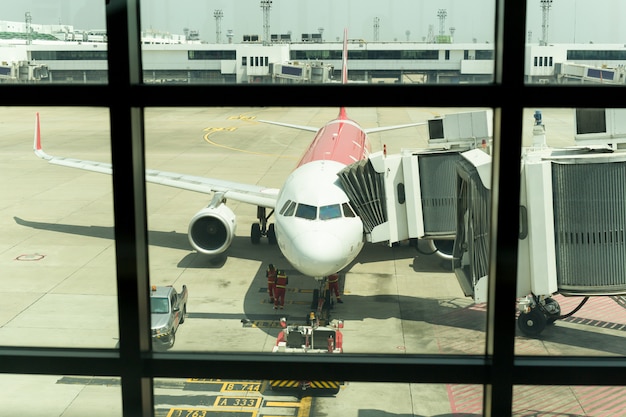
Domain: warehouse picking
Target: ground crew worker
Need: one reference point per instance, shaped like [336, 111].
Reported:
[333, 286]
[271, 281]
[281, 287]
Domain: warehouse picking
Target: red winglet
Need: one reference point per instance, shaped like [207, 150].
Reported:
[37, 133]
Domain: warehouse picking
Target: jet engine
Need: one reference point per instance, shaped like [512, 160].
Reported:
[212, 229]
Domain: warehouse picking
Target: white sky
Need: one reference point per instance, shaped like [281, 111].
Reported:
[579, 21]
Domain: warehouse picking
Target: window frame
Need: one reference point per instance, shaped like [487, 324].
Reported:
[498, 370]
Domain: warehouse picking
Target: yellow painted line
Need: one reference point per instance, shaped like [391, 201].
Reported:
[305, 407]
[203, 412]
[247, 402]
[273, 324]
[242, 117]
[230, 386]
[211, 130]
[241, 386]
[283, 404]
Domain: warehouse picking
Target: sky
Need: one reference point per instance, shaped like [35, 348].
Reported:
[570, 21]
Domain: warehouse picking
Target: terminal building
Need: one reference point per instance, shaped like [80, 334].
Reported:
[81, 57]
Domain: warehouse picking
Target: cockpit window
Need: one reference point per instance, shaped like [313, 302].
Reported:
[330, 212]
[290, 209]
[306, 212]
[282, 210]
[347, 210]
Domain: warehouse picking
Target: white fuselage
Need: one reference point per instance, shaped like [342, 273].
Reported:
[316, 229]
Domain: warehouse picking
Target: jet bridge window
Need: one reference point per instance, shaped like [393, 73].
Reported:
[330, 212]
[306, 212]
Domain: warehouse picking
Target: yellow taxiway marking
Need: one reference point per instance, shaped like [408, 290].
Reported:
[211, 130]
[203, 412]
[244, 402]
[242, 117]
[303, 406]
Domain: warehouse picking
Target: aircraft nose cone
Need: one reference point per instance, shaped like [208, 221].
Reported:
[320, 254]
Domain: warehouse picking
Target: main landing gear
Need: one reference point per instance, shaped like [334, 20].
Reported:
[536, 312]
[261, 229]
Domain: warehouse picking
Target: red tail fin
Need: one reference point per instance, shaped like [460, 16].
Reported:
[344, 61]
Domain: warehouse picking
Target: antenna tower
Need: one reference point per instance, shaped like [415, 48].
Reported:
[441, 14]
[431, 34]
[218, 14]
[266, 5]
[29, 31]
[376, 28]
[545, 20]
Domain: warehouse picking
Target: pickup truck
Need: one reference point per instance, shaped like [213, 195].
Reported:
[167, 310]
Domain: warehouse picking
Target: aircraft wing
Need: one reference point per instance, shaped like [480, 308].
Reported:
[385, 128]
[245, 193]
[300, 127]
[367, 131]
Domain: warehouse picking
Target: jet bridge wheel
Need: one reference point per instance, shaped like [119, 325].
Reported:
[532, 323]
[554, 310]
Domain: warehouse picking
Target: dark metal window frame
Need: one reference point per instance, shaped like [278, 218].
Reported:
[498, 370]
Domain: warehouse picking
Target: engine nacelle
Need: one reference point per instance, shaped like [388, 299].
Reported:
[212, 229]
[442, 248]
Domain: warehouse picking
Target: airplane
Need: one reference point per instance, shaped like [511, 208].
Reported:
[316, 226]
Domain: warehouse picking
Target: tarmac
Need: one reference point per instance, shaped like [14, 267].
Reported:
[58, 268]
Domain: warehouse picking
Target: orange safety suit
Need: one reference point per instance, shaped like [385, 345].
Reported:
[281, 288]
[271, 282]
[333, 286]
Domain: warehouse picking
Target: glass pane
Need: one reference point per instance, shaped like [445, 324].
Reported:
[58, 263]
[398, 292]
[575, 42]
[289, 398]
[60, 395]
[580, 401]
[54, 42]
[571, 283]
[397, 41]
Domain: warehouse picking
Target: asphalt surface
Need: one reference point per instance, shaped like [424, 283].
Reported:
[58, 271]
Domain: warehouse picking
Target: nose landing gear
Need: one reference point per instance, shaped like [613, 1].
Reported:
[262, 229]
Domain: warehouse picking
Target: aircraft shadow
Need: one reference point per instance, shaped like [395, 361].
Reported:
[447, 314]
[240, 248]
